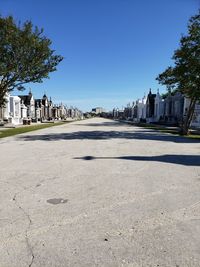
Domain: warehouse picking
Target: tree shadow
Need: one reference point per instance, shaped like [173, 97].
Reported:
[102, 124]
[186, 160]
[107, 135]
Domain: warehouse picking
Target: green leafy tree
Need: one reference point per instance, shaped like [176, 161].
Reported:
[25, 56]
[184, 76]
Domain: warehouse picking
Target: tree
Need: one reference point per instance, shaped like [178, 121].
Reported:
[25, 56]
[184, 76]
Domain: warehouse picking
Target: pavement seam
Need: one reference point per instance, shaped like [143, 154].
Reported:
[27, 229]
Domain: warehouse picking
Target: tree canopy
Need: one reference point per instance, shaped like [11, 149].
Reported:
[184, 76]
[25, 55]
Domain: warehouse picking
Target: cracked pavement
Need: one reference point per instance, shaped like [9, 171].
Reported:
[99, 193]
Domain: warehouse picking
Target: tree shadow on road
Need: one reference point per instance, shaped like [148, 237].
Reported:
[102, 124]
[187, 160]
[107, 135]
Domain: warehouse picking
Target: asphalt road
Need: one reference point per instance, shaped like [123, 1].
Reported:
[99, 193]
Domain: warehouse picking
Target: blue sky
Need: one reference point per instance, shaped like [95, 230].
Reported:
[113, 49]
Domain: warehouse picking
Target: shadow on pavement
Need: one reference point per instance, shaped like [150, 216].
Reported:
[102, 124]
[187, 160]
[106, 135]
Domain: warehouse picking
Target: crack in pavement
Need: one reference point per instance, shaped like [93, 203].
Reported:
[27, 229]
[84, 215]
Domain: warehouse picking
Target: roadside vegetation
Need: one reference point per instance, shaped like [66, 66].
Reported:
[195, 134]
[26, 56]
[24, 129]
[184, 75]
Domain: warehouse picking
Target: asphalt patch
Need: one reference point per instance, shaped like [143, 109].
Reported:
[56, 201]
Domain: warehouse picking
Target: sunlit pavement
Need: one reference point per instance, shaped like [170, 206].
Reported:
[99, 193]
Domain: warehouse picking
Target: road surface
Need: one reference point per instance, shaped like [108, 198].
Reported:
[99, 193]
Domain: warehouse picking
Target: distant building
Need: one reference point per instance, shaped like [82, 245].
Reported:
[155, 108]
[196, 116]
[98, 110]
[24, 108]
[174, 108]
[11, 112]
[150, 106]
[158, 107]
[140, 106]
[129, 111]
[29, 102]
[43, 108]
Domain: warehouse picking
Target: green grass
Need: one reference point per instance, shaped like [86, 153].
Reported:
[167, 130]
[193, 136]
[20, 130]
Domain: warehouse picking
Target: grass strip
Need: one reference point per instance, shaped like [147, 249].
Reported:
[20, 130]
[167, 130]
[172, 131]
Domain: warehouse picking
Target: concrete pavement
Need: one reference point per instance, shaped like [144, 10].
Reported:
[99, 193]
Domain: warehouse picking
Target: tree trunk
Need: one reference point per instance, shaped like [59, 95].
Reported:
[187, 120]
[3, 91]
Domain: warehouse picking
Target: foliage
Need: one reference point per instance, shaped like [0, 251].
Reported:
[184, 76]
[25, 55]
[165, 95]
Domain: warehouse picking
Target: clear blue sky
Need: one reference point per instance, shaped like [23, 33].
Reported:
[113, 49]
